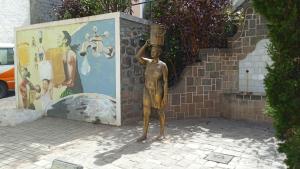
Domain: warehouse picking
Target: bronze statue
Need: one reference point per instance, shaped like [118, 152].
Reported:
[156, 86]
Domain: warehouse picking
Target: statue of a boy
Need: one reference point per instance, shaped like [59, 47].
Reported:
[156, 86]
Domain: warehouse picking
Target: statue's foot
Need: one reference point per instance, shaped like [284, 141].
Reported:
[142, 138]
[160, 137]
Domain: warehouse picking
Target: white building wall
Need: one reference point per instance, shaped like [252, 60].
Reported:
[13, 13]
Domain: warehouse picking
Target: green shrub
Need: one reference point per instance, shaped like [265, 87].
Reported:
[283, 78]
[81, 8]
[191, 25]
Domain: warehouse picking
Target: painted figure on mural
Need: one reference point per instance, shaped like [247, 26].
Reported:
[39, 49]
[45, 94]
[27, 89]
[24, 85]
[156, 87]
[95, 42]
[72, 79]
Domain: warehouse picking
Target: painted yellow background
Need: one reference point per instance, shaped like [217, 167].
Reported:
[26, 53]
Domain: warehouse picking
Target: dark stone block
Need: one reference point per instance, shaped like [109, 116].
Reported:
[246, 41]
[176, 99]
[201, 72]
[252, 24]
[214, 74]
[191, 89]
[207, 88]
[137, 70]
[250, 11]
[236, 44]
[126, 62]
[142, 79]
[253, 40]
[122, 50]
[133, 42]
[261, 32]
[206, 81]
[218, 84]
[213, 87]
[197, 99]
[190, 81]
[189, 98]
[124, 42]
[180, 116]
[208, 104]
[251, 32]
[202, 57]
[130, 88]
[130, 51]
[262, 26]
[210, 67]
[129, 73]
[249, 16]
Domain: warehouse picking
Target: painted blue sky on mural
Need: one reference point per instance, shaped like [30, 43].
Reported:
[102, 75]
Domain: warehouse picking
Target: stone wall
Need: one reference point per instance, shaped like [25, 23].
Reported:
[132, 73]
[199, 90]
[42, 10]
[237, 106]
[211, 88]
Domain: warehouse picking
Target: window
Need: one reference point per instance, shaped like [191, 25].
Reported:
[6, 56]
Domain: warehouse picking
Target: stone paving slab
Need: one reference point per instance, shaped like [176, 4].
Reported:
[35, 145]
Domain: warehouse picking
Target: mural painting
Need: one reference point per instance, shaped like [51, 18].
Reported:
[69, 71]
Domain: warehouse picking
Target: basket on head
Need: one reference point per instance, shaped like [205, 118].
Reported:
[157, 34]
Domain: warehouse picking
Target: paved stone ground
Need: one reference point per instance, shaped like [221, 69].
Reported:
[35, 145]
[8, 102]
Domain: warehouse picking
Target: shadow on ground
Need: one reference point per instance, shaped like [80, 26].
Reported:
[32, 140]
[203, 131]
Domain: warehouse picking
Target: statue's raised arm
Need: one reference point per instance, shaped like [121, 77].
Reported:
[140, 56]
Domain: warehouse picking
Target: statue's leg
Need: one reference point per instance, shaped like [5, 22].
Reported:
[147, 112]
[162, 119]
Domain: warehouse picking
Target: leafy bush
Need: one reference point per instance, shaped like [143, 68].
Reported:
[80, 8]
[191, 25]
[283, 78]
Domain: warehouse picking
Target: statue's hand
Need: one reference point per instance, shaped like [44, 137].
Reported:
[148, 44]
[164, 102]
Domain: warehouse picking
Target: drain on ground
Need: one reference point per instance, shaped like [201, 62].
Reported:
[219, 158]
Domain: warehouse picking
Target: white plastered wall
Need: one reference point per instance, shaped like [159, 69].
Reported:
[13, 13]
[255, 62]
